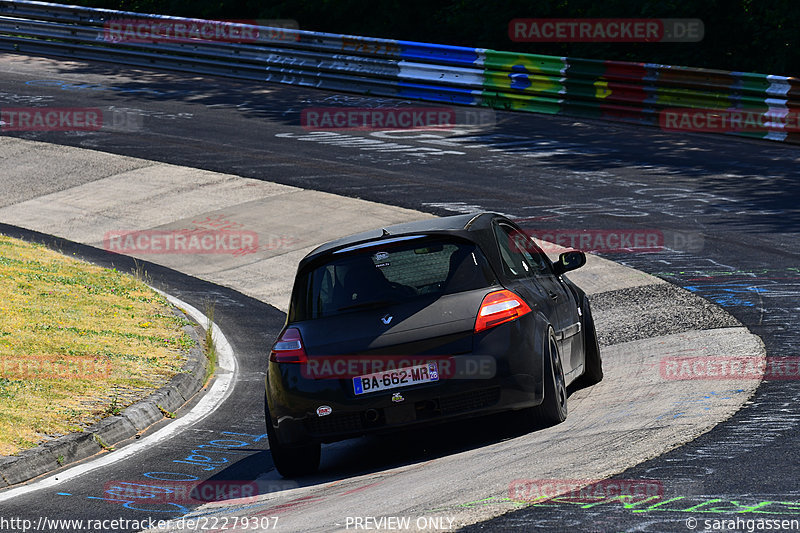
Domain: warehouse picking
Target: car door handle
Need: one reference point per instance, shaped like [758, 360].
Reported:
[553, 296]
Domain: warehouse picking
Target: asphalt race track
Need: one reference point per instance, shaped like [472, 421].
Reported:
[726, 207]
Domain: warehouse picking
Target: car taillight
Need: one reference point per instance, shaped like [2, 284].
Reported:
[288, 348]
[499, 307]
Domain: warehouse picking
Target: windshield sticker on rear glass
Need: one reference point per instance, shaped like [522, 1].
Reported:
[384, 264]
[381, 256]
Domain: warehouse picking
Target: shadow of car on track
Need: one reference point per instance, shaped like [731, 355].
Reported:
[381, 452]
[256, 477]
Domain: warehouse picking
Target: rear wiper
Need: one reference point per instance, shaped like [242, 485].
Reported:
[374, 303]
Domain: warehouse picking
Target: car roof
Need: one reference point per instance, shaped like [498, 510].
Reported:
[457, 225]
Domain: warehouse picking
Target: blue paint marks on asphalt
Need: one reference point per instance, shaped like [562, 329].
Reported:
[702, 402]
[728, 294]
[154, 495]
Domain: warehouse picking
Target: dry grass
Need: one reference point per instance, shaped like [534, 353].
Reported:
[77, 343]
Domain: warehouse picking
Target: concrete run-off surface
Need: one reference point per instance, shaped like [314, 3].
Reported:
[118, 194]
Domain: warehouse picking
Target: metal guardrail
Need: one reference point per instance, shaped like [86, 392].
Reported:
[630, 92]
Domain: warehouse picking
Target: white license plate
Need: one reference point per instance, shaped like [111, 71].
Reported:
[392, 379]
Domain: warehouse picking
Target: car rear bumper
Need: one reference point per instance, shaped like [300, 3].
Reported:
[328, 410]
[417, 408]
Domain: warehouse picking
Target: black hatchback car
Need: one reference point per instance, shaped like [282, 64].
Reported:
[423, 322]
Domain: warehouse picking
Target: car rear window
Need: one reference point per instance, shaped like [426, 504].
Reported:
[394, 273]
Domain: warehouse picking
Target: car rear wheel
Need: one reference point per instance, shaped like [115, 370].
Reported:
[553, 409]
[593, 363]
[291, 460]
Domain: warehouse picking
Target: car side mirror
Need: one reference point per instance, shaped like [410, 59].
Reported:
[569, 261]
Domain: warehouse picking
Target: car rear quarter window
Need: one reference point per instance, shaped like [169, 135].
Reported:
[386, 275]
[520, 256]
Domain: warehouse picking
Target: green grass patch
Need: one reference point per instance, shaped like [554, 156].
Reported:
[77, 343]
[210, 346]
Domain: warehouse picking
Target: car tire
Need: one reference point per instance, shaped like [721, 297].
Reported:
[293, 460]
[593, 362]
[553, 409]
